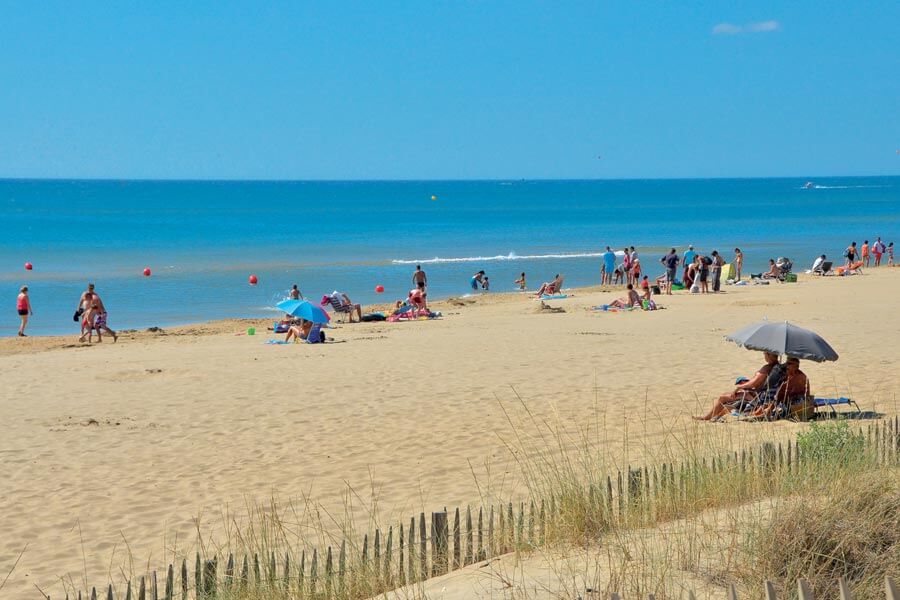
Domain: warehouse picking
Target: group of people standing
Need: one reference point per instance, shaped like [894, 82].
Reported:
[90, 312]
[866, 252]
[692, 267]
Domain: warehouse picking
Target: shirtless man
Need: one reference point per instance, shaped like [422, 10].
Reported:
[92, 298]
[419, 279]
[743, 392]
[796, 385]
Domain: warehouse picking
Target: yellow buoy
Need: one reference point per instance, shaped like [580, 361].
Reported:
[434, 197]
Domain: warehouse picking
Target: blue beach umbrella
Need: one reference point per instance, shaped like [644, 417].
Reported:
[303, 310]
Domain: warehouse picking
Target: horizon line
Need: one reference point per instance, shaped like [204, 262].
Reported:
[435, 180]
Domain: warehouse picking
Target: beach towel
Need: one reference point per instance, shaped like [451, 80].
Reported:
[554, 296]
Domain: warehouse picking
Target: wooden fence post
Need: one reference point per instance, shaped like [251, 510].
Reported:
[412, 548]
[439, 542]
[209, 577]
[388, 561]
[342, 569]
[170, 583]
[491, 548]
[803, 590]
[402, 558]
[423, 548]
[185, 583]
[480, 552]
[301, 570]
[314, 571]
[142, 590]
[844, 589]
[456, 540]
[470, 541]
[890, 589]
[770, 591]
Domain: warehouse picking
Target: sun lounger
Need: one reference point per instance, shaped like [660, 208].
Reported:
[830, 403]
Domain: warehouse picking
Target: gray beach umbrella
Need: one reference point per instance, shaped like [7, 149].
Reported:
[784, 338]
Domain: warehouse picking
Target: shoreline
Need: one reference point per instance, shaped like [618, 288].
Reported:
[238, 325]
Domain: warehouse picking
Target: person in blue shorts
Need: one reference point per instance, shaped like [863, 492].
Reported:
[609, 267]
[476, 280]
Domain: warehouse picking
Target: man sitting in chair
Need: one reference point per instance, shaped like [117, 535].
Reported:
[343, 300]
[744, 393]
[817, 265]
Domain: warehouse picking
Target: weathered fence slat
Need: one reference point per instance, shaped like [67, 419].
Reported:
[439, 541]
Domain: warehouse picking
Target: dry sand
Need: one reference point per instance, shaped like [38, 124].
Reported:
[121, 449]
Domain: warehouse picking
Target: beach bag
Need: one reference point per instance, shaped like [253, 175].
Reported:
[695, 289]
[77, 316]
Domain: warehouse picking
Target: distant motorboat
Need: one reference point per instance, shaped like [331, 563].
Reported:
[808, 185]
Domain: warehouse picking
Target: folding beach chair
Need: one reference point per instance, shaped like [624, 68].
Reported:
[825, 268]
[339, 308]
[830, 403]
[316, 335]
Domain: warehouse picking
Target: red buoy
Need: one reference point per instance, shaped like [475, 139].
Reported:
[147, 272]
[28, 266]
[253, 280]
[379, 289]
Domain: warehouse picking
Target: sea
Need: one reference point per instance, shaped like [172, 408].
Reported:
[202, 240]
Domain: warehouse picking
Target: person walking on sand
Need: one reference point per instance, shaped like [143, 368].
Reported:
[890, 253]
[716, 270]
[420, 280]
[878, 251]
[295, 293]
[850, 254]
[84, 301]
[92, 298]
[864, 253]
[738, 263]
[23, 307]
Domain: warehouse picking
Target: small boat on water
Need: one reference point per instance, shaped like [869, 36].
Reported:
[808, 185]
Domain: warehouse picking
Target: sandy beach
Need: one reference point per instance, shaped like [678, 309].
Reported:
[115, 455]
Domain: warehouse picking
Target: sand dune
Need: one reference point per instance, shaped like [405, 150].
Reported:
[119, 449]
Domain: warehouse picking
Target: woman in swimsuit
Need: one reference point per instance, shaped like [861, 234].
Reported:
[738, 263]
[633, 299]
[23, 307]
[743, 393]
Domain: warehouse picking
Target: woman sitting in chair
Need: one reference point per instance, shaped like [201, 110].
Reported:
[745, 393]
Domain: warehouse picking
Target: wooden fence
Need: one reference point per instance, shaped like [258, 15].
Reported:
[424, 548]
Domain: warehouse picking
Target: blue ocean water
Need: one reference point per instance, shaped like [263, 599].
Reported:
[203, 239]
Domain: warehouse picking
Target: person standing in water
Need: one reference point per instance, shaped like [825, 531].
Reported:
[521, 282]
[420, 279]
[476, 280]
[295, 293]
[23, 307]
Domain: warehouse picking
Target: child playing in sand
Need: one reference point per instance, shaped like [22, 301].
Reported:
[521, 282]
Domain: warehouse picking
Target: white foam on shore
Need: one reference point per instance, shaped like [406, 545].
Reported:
[499, 257]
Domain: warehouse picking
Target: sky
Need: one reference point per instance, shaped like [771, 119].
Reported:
[448, 90]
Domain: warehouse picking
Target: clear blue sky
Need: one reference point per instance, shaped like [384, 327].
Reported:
[421, 90]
